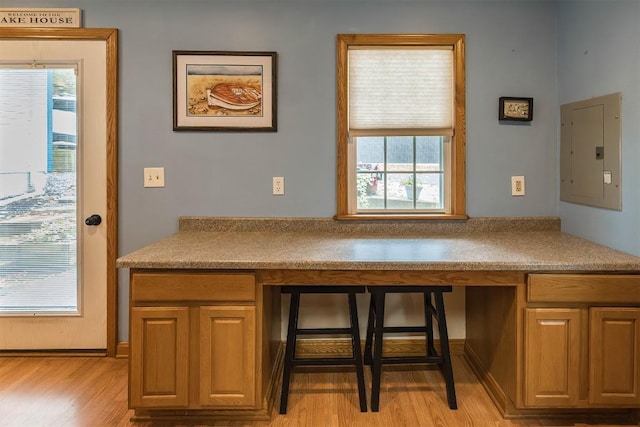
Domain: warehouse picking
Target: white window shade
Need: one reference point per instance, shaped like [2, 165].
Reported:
[401, 89]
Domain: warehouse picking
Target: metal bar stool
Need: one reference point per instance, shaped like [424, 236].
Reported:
[376, 330]
[290, 359]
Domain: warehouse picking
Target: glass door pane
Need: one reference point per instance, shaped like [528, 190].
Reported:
[38, 209]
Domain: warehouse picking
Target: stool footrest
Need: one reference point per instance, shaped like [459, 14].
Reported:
[397, 329]
[323, 361]
[321, 331]
[314, 289]
[411, 359]
[410, 289]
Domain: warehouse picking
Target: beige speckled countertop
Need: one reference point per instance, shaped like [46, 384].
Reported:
[480, 244]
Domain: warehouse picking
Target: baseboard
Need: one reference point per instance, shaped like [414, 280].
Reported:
[486, 379]
[122, 350]
[53, 353]
[390, 347]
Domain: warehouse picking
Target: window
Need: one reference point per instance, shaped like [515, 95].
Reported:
[38, 208]
[401, 126]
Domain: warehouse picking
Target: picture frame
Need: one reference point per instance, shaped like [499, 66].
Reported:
[515, 109]
[224, 91]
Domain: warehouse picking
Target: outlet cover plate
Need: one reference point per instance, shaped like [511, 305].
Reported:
[517, 185]
[278, 186]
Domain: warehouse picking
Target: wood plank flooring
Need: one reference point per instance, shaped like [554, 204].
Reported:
[92, 392]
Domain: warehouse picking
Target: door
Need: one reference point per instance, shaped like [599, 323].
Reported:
[552, 356]
[614, 356]
[57, 143]
[228, 356]
[159, 357]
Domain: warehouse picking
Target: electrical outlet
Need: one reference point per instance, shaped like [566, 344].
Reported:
[154, 177]
[278, 186]
[517, 185]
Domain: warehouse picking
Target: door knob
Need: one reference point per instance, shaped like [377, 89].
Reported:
[94, 219]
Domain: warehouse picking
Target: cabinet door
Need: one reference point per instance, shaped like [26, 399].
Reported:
[228, 356]
[159, 357]
[614, 356]
[552, 357]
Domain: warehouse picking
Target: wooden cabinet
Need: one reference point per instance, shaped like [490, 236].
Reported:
[552, 340]
[582, 341]
[227, 356]
[193, 341]
[159, 355]
[614, 356]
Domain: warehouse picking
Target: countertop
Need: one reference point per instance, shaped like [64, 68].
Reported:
[482, 244]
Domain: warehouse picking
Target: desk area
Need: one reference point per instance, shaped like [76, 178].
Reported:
[528, 286]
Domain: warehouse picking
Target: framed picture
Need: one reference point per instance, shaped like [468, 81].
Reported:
[519, 109]
[224, 91]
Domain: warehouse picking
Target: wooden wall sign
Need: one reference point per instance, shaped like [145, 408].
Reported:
[38, 17]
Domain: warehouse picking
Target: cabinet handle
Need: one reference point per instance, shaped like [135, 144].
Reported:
[553, 322]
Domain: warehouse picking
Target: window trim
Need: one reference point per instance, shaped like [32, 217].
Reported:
[458, 140]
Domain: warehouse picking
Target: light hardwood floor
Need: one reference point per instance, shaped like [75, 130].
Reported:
[92, 392]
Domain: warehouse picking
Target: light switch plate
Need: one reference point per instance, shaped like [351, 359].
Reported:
[154, 177]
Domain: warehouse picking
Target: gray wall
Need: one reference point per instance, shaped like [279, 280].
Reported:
[598, 54]
[511, 51]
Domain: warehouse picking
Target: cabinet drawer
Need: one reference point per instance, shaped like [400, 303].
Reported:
[193, 287]
[584, 288]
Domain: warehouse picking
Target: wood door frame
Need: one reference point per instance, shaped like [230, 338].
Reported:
[110, 36]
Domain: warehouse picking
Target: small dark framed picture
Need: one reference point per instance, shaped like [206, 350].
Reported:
[514, 108]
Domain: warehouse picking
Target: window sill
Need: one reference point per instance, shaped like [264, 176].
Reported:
[396, 217]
